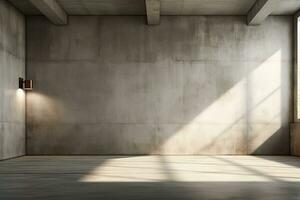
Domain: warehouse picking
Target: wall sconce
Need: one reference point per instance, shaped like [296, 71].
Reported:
[25, 84]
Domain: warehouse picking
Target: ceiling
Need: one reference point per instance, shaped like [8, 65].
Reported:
[168, 7]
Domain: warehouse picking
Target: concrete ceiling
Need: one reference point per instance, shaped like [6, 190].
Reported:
[168, 7]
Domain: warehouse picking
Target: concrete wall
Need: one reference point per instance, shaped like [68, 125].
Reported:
[12, 66]
[295, 139]
[192, 85]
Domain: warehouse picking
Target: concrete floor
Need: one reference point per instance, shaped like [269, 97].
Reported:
[150, 177]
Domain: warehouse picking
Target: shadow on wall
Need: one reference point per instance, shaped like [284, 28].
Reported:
[214, 86]
[261, 94]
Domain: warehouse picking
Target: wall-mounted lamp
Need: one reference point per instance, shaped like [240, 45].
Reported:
[25, 84]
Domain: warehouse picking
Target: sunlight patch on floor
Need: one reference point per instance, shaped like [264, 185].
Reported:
[192, 169]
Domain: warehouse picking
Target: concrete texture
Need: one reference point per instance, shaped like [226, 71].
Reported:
[261, 10]
[193, 85]
[150, 177]
[168, 7]
[153, 11]
[295, 139]
[12, 66]
[52, 10]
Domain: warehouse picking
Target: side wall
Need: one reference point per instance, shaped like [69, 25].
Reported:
[12, 66]
[192, 85]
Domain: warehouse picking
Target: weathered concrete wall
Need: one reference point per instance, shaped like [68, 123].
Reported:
[295, 139]
[192, 85]
[12, 66]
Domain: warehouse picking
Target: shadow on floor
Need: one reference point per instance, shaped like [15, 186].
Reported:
[62, 177]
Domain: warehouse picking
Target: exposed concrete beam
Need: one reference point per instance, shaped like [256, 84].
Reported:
[52, 10]
[153, 11]
[260, 11]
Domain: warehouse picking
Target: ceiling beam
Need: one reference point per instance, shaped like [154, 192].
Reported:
[153, 11]
[260, 11]
[52, 10]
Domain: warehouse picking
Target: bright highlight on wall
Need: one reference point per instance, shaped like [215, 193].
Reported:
[20, 97]
[252, 107]
[44, 105]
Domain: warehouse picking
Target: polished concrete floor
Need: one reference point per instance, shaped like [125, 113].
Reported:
[150, 177]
